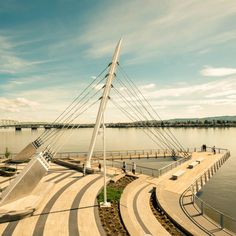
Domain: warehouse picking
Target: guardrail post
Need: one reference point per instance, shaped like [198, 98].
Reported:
[201, 182]
[202, 208]
[197, 188]
[205, 177]
[221, 221]
[209, 174]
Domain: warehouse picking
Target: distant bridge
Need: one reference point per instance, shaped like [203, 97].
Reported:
[45, 125]
[36, 125]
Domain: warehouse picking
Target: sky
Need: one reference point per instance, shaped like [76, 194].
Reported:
[181, 54]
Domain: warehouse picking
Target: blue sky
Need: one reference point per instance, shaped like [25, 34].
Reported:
[180, 53]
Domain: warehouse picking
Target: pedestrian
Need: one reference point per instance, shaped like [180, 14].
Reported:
[124, 166]
[214, 150]
[204, 147]
[133, 168]
[99, 166]
[84, 169]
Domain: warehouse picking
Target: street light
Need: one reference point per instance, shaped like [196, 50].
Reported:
[104, 203]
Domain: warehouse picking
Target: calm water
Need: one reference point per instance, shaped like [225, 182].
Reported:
[220, 191]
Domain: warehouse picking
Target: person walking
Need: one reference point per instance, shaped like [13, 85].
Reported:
[133, 168]
[124, 167]
[99, 166]
[84, 169]
[214, 150]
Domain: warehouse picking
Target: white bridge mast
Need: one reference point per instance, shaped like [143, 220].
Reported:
[103, 102]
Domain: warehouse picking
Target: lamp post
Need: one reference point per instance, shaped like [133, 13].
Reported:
[104, 203]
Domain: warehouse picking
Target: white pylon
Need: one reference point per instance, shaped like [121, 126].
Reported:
[103, 102]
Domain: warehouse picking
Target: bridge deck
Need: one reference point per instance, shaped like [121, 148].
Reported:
[169, 193]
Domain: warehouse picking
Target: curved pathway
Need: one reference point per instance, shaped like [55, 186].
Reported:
[69, 203]
[136, 211]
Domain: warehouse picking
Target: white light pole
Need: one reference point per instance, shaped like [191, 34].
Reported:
[104, 203]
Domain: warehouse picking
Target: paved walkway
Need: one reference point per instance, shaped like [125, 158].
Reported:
[136, 211]
[65, 210]
[169, 192]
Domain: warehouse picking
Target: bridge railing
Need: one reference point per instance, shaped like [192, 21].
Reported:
[119, 153]
[173, 165]
[223, 220]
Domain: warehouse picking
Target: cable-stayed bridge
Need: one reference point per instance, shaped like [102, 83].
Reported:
[112, 85]
[115, 87]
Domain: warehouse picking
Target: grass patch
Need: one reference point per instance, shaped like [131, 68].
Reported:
[113, 195]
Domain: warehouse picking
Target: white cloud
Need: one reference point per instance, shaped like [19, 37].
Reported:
[217, 72]
[10, 61]
[159, 27]
[15, 105]
[147, 86]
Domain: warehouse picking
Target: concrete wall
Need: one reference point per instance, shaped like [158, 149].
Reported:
[25, 154]
[26, 181]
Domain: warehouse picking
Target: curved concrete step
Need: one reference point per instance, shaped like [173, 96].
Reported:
[135, 209]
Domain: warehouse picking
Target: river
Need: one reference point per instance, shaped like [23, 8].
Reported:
[219, 192]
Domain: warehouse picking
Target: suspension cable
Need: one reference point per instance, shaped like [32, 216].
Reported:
[62, 115]
[132, 108]
[132, 84]
[160, 134]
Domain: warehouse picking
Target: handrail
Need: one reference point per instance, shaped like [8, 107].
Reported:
[201, 203]
[220, 212]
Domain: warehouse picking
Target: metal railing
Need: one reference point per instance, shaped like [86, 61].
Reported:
[120, 153]
[173, 165]
[139, 169]
[223, 220]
